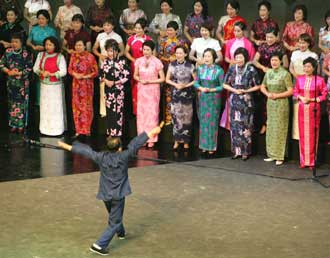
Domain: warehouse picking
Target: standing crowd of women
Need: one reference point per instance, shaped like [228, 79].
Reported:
[240, 80]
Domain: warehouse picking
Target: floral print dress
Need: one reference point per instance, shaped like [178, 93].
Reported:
[241, 107]
[114, 96]
[83, 90]
[209, 105]
[182, 100]
[166, 51]
[18, 86]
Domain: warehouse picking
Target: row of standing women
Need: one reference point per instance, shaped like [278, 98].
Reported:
[263, 48]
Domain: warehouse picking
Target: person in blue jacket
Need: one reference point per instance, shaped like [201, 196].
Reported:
[113, 184]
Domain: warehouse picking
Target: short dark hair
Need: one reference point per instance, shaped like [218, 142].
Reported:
[311, 61]
[78, 17]
[44, 13]
[82, 39]
[274, 31]
[169, 2]
[111, 43]
[240, 24]
[205, 11]
[14, 10]
[307, 38]
[18, 35]
[143, 22]
[172, 24]
[213, 53]
[233, 3]
[277, 54]
[56, 43]
[265, 3]
[207, 25]
[113, 143]
[303, 8]
[149, 43]
[244, 52]
[185, 50]
[111, 20]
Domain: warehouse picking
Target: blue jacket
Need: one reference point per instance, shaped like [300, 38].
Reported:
[114, 183]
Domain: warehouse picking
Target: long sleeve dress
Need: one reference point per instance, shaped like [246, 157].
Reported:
[148, 95]
[52, 104]
[83, 90]
[209, 105]
[18, 86]
[305, 86]
[117, 70]
[277, 81]
[182, 100]
[241, 107]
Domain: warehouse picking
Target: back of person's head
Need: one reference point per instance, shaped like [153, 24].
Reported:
[114, 144]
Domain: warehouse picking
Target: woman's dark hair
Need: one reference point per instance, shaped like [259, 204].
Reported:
[327, 15]
[205, 11]
[213, 53]
[149, 43]
[303, 8]
[78, 17]
[169, 2]
[56, 43]
[106, 4]
[114, 143]
[233, 3]
[173, 24]
[277, 54]
[18, 35]
[240, 24]
[311, 61]
[44, 13]
[111, 43]
[207, 25]
[244, 52]
[110, 20]
[77, 39]
[265, 3]
[14, 10]
[185, 50]
[307, 38]
[143, 22]
[274, 31]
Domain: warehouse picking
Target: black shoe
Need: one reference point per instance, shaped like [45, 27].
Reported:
[98, 250]
[235, 157]
[121, 236]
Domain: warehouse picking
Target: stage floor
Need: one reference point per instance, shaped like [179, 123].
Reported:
[182, 210]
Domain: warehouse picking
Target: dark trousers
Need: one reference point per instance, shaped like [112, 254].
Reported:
[115, 223]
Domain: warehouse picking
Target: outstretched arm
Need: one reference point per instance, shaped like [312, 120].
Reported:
[84, 150]
[141, 139]
[64, 146]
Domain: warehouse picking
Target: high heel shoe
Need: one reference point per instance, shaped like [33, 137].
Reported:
[235, 157]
